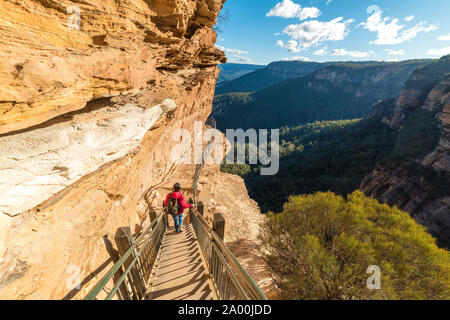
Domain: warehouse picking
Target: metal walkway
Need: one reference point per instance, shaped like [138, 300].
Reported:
[164, 265]
[180, 270]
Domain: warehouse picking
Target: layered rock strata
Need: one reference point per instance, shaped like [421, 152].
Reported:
[90, 94]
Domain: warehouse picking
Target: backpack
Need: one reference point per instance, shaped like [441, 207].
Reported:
[173, 207]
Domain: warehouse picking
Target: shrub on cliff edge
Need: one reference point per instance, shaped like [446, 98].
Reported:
[321, 245]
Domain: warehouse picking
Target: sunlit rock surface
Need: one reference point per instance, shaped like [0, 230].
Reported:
[86, 123]
[39, 163]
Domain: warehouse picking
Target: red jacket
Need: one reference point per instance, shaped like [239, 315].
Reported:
[181, 201]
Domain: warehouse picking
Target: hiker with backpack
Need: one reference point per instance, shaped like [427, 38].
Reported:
[175, 204]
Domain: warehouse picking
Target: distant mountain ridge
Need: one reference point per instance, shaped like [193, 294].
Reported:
[231, 71]
[263, 76]
[273, 73]
[336, 91]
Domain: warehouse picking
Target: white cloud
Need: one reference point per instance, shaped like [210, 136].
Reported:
[309, 12]
[297, 58]
[409, 18]
[291, 45]
[289, 9]
[285, 9]
[354, 54]
[321, 52]
[389, 32]
[329, 1]
[315, 32]
[439, 52]
[232, 51]
[399, 52]
[242, 58]
[444, 38]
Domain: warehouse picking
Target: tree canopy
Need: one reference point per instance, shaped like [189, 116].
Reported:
[320, 247]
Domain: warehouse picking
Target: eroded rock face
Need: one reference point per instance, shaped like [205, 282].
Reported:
[413, 189]
[439, 96]
[86, 122]
[37, 164]
[49, 67]
[413, 98]
[423, 89]
[419, 186]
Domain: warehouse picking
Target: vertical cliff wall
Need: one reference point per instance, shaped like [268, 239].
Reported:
[417, 178]
[90, 93]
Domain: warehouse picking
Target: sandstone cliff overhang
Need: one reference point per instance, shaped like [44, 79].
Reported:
[51, 68]
[58, 55]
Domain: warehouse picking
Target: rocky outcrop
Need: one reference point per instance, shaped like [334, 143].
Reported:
[439, 96]
[416, 92]
[90, 93]
[415, 189]
[117, 48]
[378, 110]
[419, 185]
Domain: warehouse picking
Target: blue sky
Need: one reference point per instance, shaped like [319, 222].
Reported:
[262, 31]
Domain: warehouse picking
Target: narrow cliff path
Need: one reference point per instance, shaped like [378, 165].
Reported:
[227, 194]
[180, 272]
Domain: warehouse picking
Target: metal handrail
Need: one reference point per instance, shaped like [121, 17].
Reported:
[251, 287]
[218, 256]
[144, 255]
[199, 167]
[230, 279]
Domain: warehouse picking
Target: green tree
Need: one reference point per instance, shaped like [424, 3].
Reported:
[320, 156]
[321, 245]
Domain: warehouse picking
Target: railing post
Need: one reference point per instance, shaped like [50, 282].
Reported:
[152, 214]
[167, 218]
[191, 212]
[123, 292]
[124, 241]
[201, 208]
[219, 225]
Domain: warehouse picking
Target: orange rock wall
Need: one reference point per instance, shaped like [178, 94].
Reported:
[137, 52]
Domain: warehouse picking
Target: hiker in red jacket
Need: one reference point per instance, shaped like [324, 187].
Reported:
[175, 204]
